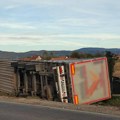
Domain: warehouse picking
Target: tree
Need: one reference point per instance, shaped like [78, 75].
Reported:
[45, 54]
[75, 55]
[51, 54]
[111, 62]
[98, 54]
[88, 55]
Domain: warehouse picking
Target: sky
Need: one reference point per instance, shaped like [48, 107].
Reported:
[27, 25]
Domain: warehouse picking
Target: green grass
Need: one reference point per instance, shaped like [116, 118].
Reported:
[114, 101]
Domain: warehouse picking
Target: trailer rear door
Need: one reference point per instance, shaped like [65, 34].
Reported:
[90, 81]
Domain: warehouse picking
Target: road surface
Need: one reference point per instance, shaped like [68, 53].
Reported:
[13, 111]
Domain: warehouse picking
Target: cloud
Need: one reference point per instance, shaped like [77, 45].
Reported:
[16, 25]
[90, 36]
[54, 39]
[66, 24]
[32, 40]
[74, 23]
[77, 21]
[57, 42]
[30, 2]
[89, 12]
[9, 7]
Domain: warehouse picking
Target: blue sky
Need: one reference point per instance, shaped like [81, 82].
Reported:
[59, 24]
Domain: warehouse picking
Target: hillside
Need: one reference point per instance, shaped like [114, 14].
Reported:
[14, 55]
[98, 50]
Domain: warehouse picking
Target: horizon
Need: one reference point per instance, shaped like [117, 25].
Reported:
[60, 50]
[59, 24]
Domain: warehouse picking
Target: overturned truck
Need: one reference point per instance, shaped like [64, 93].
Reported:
[83, 81]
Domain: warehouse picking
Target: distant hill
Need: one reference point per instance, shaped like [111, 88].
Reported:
[91, 50]
[14, 55]
[98, 50]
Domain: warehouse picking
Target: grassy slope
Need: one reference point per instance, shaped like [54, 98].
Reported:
[117, 69]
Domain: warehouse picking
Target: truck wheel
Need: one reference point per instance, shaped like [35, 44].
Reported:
[48, 92]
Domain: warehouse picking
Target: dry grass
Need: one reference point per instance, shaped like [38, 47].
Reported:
[117, 69]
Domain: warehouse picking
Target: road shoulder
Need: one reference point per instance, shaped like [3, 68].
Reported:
[88, 108]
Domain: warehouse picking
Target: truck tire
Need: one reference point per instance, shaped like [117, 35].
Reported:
[48, 92]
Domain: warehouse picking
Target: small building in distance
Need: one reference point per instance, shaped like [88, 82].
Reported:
[32, 58]
[61, 58]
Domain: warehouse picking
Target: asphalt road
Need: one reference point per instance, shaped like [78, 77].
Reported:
[13, 111]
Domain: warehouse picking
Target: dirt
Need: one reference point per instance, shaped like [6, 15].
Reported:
[89, 108]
